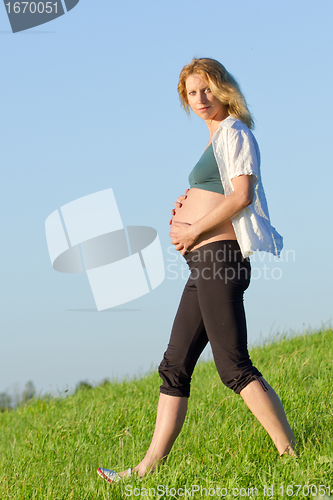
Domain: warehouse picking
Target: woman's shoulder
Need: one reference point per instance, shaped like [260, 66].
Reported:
[234, 124]
[238, 147]
[234, 130]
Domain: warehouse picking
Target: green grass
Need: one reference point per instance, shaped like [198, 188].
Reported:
[51, 448]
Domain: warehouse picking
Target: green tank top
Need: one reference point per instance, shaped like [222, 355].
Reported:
[205, 174]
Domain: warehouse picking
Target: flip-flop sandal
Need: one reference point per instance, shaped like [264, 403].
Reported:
[111, 476]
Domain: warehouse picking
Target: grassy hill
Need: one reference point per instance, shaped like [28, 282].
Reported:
[51, 448]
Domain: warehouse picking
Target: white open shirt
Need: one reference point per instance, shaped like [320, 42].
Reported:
[237, 153]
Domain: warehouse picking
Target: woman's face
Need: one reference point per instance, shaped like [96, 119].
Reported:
[202, 101]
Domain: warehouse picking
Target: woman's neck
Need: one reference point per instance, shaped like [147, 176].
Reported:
[213, 125]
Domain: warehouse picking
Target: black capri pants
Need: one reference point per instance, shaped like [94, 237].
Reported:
[211, 310]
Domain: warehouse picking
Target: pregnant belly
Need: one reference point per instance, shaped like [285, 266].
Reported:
[197, 204]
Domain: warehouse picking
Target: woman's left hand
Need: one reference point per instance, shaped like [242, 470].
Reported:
[182, 236]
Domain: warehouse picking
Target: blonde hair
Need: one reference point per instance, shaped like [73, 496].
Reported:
[222, 84]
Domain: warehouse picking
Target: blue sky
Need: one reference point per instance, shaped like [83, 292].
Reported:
[89, 102]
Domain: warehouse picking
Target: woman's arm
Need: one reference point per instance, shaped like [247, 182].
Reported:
[184, 235]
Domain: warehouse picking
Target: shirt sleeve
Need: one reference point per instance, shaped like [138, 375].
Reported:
[244, 154]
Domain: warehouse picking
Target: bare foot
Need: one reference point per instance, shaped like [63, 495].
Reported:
[126, 473]
[138, 471]
[289, 451]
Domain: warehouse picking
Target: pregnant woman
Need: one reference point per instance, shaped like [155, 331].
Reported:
[216, 225]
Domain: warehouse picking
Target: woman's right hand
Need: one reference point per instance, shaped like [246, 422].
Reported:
[178, 204]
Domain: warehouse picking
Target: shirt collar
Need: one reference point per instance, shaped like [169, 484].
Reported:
[228, 122]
